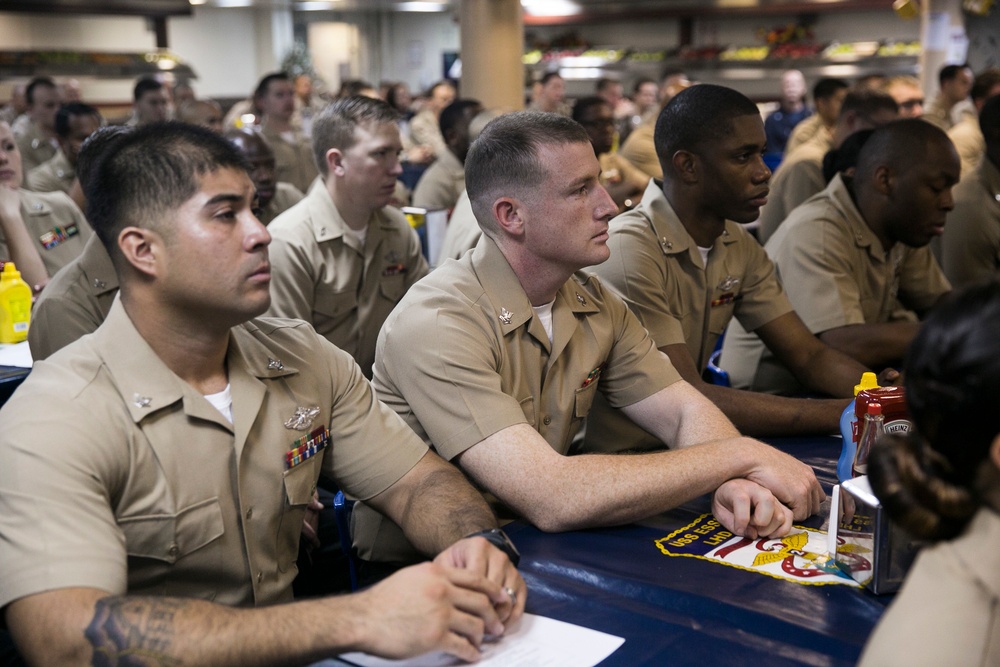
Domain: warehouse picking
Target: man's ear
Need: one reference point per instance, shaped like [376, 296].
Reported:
[335, 162]
[884, 180]
[995, 451]
[685, 164]
[508, 212]
[140, 248]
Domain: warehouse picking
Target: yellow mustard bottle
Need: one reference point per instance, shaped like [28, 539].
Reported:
[15, 305]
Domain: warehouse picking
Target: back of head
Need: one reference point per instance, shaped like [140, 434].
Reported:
[248, 141]
[334, 126]
[827, 87]
[928, 480]
[503, 161]
[899, 145]
[989, 121]
[143, 86]
[867, 102]
[984, 83]
[94, 147]
[73, 109]
[150, 172]
[457, 113]
[696, 115]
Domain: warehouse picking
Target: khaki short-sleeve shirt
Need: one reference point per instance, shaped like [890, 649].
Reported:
[640, 150]
[55, 174]
[36, 149]
[141, 486]
[970, 246]
[464, 356]
[835, 273]
[286, 196]
[56, 226]
[656, 267]
[442, 183]
[798, 178]
[293, 158]
[322, 274]
[75, 302]
[463, 230]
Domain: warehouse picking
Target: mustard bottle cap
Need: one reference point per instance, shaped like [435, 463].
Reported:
[868, 381]
[10, 271]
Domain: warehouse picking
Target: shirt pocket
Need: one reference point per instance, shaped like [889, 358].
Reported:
[300, 485]
[169, 537]
[392, 288]
[583, 400]
[334, 305]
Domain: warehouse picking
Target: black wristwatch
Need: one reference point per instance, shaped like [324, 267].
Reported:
[499, 539]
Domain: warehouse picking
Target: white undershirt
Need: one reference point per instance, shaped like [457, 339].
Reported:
[704, 255]
[223, 402]
[544, 313]
[360, 234]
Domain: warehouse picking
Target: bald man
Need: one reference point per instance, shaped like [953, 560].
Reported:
[206, 113]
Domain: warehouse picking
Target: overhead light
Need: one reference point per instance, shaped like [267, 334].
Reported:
[314, 6]
[196, 2]
[233, 3]
[550, 7]
[422, 7]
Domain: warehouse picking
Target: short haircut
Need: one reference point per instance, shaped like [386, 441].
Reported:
[906, 79]
[265, 82]
[548, 76]
[697, 115]
[503, 161]
[454, 114]
[950, 72]
[334, 126]
[73, 109]
[352, 87]
[585, 104]
[145, 85]
[38, 81]
[866, 102]
[606, 82]
[444, 82]
[989, 120]
[984, 82]
[898, 145]
[827, 87]
[150, 172]
[640, 83]
[93, 149]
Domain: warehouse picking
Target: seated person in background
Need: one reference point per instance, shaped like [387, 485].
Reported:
[623, 181]
[908, 93]
[638, 148]
[275, 97]
[791, 111]
[273, 197]
[160, 515]
[941, 482]
[206, 113]
[551, 95]
[342, 257]
[74, 123]
[425, 127]
[852, 254]
[828, 96]
[36, 133]
[78, 298]
[514, 343]
[685, 267]
[443, 182]
[970, 246]
[800, 175]
[40, 232]
[463, 231]
[151, 102]
[955, 82]
[965, 134]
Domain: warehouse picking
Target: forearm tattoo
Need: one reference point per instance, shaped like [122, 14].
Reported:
[133, 632]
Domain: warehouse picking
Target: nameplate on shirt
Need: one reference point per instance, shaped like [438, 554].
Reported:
[307, 447]
[57, 235]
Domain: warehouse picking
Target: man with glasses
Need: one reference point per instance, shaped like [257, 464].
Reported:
[908, 93]
[623, 180]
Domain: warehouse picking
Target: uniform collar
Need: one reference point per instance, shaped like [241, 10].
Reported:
[95, 263]
[863, 235]
[504, 291]
[146, 385]
[327, 223]
[671, 235]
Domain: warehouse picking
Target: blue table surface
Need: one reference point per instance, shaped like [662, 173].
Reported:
[687, 611]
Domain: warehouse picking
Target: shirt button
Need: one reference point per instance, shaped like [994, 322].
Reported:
[547, 421]
[250, 513]
[173, 551]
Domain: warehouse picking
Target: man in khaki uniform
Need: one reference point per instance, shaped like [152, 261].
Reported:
[463, 230]
[970, 246]
[828, 97]
[295, 162]
[37, 141]
[623, 180]
[150, 102]
[800, 175]
[685, 267]
[39, 231]
[443, 182]
[273, 197]
[495, 360]
[965, 134]
[425, 128]
[853, 253]
[342, 257]
[955, 82]
[175, 483]
[74, 123]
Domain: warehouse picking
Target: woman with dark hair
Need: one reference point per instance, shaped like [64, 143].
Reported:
[942, 484]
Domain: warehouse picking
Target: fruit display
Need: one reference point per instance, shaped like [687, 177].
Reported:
[890, 49]
[847, 51]
[745, 53]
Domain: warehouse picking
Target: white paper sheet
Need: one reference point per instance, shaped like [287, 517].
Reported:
[15, 355]
[537, 641]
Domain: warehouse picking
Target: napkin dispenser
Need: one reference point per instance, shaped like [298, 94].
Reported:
[869, 547]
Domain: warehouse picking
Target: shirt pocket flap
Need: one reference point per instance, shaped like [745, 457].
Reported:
[167, 537]
[300, 482]
[584, 400]
[333, 304]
